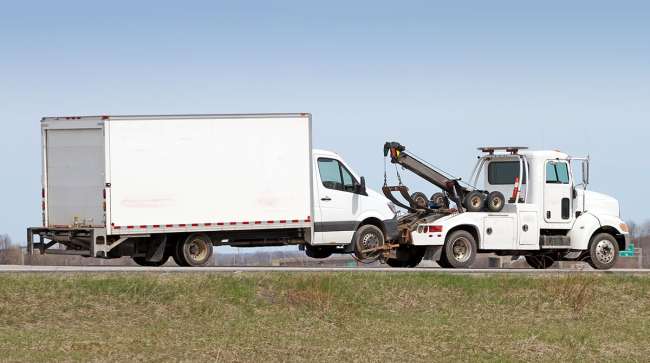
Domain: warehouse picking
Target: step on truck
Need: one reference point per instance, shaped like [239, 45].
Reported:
[529, 205]
[155, 187]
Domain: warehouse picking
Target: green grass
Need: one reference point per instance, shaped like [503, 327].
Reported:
[331, 317]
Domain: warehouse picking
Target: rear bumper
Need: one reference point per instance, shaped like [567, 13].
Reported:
[65, 241]
[392, 232]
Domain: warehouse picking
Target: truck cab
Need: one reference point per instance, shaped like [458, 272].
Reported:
[343, 204]
[549, 214]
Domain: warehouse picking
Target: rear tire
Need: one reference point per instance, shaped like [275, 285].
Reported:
[460, 249]
[474, 201]
[393, 262]
[495, 202]
[142, 261]
[539, 262]
[194, 251]
[318, 252]
[603, 251]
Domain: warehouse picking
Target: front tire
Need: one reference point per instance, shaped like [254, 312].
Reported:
[367, 241]
[460, 249]
[603, 251]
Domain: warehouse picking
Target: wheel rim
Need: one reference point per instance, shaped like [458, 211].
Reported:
[605, 251]
[461, 249]
[496, 203]
[198, 250]
[422, 202]
[369, 241]
[475, 202]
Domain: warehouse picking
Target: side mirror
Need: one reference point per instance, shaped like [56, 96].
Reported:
[362, 187]
[585, 172]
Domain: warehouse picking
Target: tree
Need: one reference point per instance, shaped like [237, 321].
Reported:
[5, 241]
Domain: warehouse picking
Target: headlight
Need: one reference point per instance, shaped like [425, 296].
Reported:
[392, 207]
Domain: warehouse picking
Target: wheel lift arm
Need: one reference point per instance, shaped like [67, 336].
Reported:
[399, 155]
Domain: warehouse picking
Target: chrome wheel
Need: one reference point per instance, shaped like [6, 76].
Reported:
[605, 251]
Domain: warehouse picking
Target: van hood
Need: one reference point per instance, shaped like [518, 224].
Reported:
[599, 203]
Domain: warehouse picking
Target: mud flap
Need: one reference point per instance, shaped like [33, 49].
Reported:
[156, 251]
[433, 253]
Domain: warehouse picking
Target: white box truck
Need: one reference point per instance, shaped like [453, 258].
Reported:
[155, 187]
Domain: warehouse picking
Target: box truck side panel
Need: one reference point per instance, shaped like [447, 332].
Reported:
[172, 171]
[74, 162]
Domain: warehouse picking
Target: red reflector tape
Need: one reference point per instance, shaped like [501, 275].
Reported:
[270, 222]
[220, 224]
[295, 221]
[156, 226]
[283, 221]
[129, 227]
[207, 224]
[245, 222]
[258, 222]
[195, 224]
[181, 225]
[169, 225]
[143, 226]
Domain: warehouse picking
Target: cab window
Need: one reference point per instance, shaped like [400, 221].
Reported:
[504, 172]
[335, 176]
[557, 172]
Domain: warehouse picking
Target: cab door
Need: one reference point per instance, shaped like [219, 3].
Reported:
[557, 193]
[338, 203]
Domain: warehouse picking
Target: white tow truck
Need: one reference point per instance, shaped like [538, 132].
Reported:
[549, 216]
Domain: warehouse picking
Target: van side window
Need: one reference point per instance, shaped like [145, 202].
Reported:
[335, 176]
[504, 172]
[557, 172]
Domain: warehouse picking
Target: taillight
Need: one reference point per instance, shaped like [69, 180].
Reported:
[435, 229]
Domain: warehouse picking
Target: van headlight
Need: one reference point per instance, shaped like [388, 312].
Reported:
[392, 207]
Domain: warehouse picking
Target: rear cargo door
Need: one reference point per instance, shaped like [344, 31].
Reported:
[74, 164]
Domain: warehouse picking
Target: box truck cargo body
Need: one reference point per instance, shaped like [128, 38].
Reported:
[152, 187]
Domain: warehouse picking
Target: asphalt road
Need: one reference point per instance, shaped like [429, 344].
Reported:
[131, 269]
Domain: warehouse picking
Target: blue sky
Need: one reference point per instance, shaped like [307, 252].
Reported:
[441, 77]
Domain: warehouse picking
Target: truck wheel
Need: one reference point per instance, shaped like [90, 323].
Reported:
[142, 261]
[460, 249]
[420, 200]
[367, 240]
[393, 262]
[195, 250]
[603, 251]
[540, 262]
[442, 262]
[318, 252]
[495, 202]
[440, 199]
[415, 259]
[474, 201]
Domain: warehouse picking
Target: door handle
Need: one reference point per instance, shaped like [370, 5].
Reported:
[326, 199]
